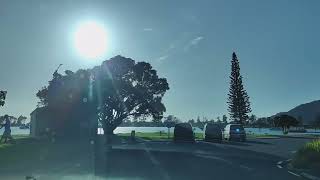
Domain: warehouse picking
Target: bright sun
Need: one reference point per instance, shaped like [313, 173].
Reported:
[90, 40]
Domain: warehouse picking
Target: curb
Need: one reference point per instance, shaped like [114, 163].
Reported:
[295, 171]
[272, 137]
[298, 137]
[309, 176]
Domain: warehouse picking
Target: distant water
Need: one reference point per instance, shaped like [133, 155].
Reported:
[148, 129]
[17, 131]
[261, 131]
[144, 129]
[267, 131]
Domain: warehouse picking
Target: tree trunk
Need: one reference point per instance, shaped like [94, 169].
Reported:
[108, 134]
[108, 131]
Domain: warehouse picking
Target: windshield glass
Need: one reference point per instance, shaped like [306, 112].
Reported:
[159, 89]
[213, 128]
[236, 127]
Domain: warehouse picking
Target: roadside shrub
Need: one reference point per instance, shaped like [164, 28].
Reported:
[308, 156]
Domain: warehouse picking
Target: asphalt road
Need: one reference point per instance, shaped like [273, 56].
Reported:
[254, 159]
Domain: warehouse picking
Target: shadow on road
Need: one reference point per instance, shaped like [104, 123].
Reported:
[189, 161]
[236, 143]
[257, 142]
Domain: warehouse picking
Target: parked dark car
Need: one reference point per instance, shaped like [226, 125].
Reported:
[234, 132]
[183, 133]
[212, 133]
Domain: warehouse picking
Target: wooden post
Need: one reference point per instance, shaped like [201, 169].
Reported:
[133, 135]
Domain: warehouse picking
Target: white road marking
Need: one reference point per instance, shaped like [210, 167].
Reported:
[246, 167]
[208, 156]
[288, 160]
[280, 162]
[214, 157]
[294, 174]
[155, 162]
[279, 166]
[310, 176]
[200, 152]
[220, 145]
[293, 152]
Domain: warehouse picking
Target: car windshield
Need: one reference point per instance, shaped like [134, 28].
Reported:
[159, 89]
[184, 126]
[213, 128]
[236, 127]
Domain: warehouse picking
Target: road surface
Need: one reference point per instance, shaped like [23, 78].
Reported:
[254, 159]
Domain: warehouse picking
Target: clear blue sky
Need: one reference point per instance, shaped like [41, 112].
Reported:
[188, 42]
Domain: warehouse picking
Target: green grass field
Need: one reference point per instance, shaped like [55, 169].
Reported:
[156, 135]
[308, 156]
[18, 138]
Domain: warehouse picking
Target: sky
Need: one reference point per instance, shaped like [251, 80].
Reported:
[188, 42]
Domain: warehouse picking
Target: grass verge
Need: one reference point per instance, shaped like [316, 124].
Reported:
[28, 155]
[308, 156]
[263, 136]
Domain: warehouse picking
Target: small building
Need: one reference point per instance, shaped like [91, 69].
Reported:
[77, 123]
[39, 121]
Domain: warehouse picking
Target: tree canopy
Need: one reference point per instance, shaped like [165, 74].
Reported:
[2, 97]
[126, 89]
[170, 121]
[285, 121]
[118, 89]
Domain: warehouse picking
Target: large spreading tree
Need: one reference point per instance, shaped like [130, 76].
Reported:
[285, 121]
[117, 90]
[238, 101]
[126, 89]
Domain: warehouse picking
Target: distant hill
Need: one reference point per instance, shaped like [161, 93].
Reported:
[308, 112]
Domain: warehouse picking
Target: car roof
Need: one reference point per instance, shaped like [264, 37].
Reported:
[212, 124]
[229, 125]
[184, 125]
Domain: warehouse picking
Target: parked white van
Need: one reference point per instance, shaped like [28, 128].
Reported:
[234, 132]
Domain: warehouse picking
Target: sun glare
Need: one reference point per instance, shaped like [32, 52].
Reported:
[90, 40]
